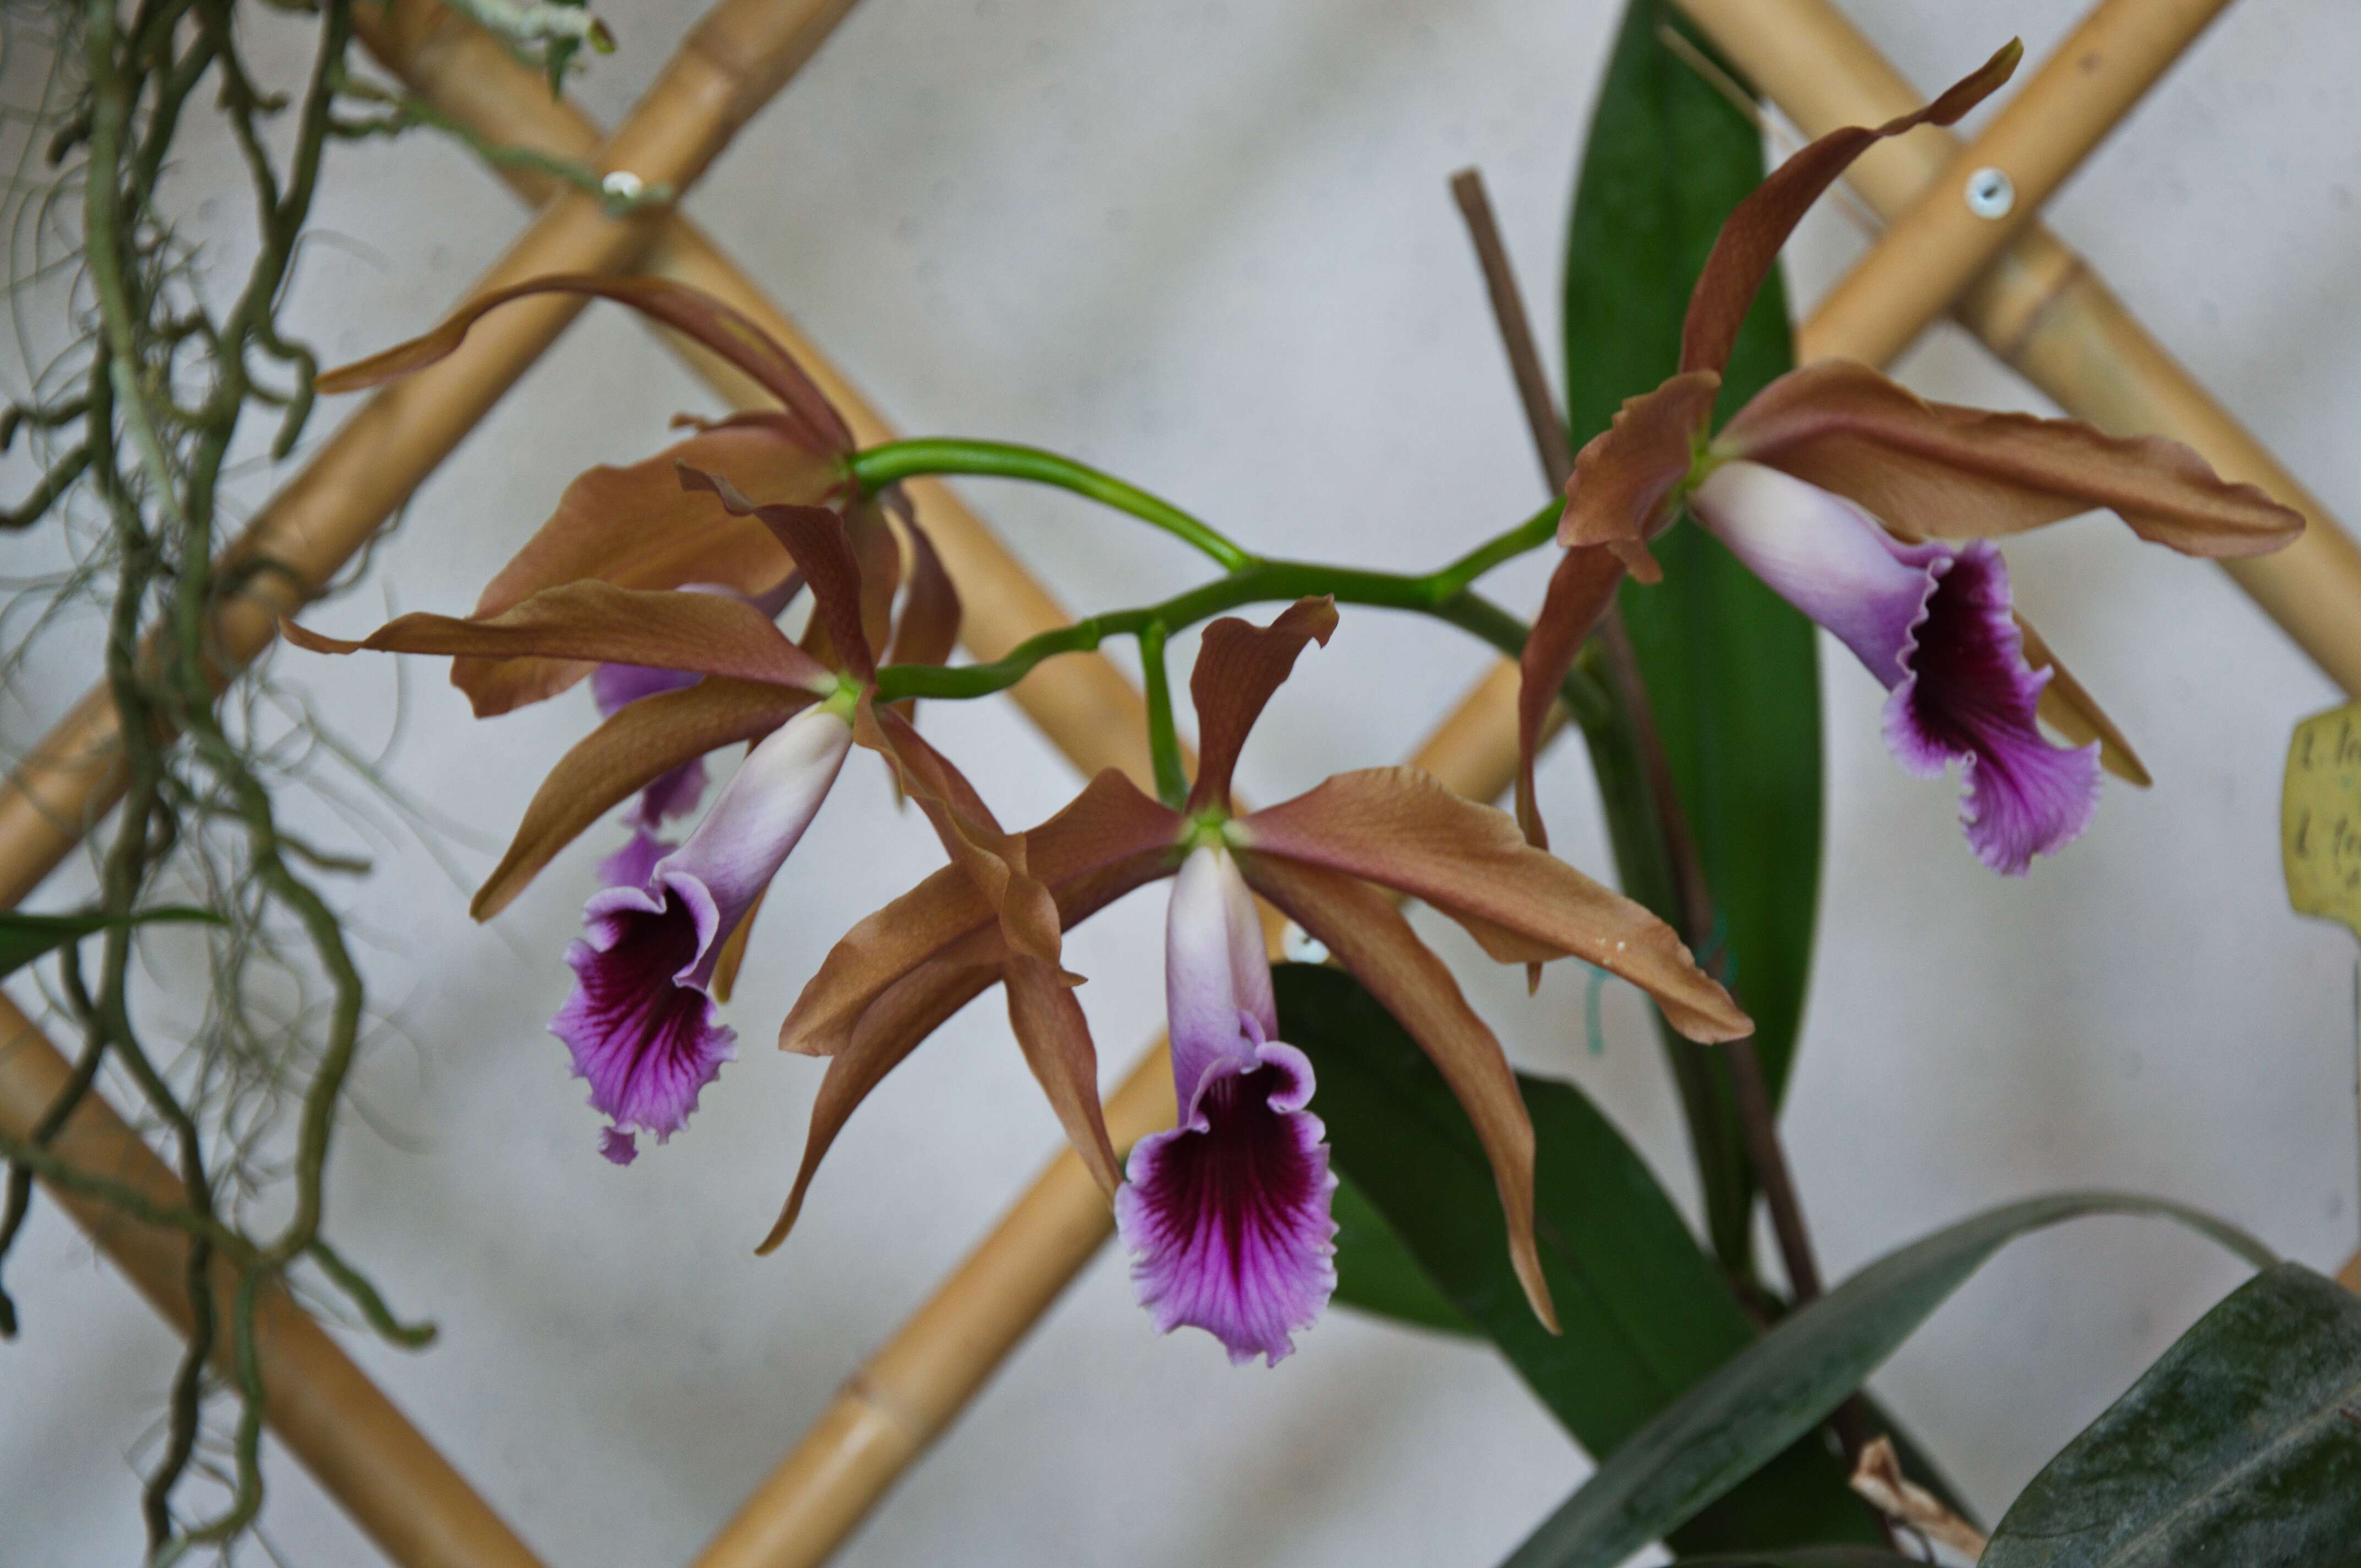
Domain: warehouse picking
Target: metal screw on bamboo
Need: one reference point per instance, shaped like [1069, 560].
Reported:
[2035, 304]
[815, 1469]
[1465, 730]
[418, 1509]
[2038, 305]
[1931, 252]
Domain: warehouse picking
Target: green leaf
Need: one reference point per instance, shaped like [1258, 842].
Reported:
[24, 937]
[2241, 1445]
[1731, 670]
[1645, 1313]
[1786, 1383]
[1375, 1274]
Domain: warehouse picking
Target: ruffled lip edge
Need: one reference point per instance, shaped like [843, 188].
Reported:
[1290, 1103]
[1922, 755]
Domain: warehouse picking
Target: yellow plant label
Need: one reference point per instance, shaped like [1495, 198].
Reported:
[2320, 816]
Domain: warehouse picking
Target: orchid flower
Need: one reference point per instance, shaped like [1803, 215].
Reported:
[1228, 1214]
[679, 791]
[1842, 492]
[658, 944]
[667, 600]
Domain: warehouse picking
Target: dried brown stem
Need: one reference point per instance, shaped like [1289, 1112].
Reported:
[1758, 1121]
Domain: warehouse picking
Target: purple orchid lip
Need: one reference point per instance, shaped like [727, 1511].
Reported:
[1932, 622]
[1228, 1214]
[640, 1022]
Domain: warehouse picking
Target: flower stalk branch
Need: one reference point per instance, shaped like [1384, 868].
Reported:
[874, 469]
[1163, 736]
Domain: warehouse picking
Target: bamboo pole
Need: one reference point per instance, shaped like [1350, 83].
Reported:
[953, 1344]
[725, 68]
[916, 1385]
[404, 1495]
[2038, 305]
[911, 1390]
[327, 1412]
[1086, 706]
[1934, 249]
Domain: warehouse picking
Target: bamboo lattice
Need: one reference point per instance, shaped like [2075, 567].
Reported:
[2037, 306]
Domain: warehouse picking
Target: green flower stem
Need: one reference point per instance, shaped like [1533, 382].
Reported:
[1528, 535]
[1163, 738]
[1263, 583]
[1443, 593]
[881, 465]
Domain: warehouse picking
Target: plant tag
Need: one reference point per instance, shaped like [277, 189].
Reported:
[2319, 844]
[2320, 816]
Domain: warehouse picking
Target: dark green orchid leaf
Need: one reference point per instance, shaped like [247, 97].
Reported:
[1783, 1385]
[1376, 1273]
[1732, 670]
[1645, 1313]
[2241, 1445]
[24, 937]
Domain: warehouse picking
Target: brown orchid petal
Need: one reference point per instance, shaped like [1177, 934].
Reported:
[817, 538]
[879, 554]
[1106, 841]
[930, 626]
[926, 996]
[2073, 712]
[1505, 945]
[1750, 237]
[908, 1012]
[1239, 664]
[641, 743]
[1056, 1040]
[1400, 828]
[992, 859]
[636, 528]
[1941, 471]
[692, 312]
[1368, 936]
[1580, 591]
[1638, 560]
[1622, 487]
[595, 623]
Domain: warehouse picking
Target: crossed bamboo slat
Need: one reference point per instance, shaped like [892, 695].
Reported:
[393, 1483]
[1017, 1271]
[2036, 305]
[918, 1382]
[811, 1502]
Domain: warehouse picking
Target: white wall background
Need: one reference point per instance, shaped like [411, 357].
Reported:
[1209, 246]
